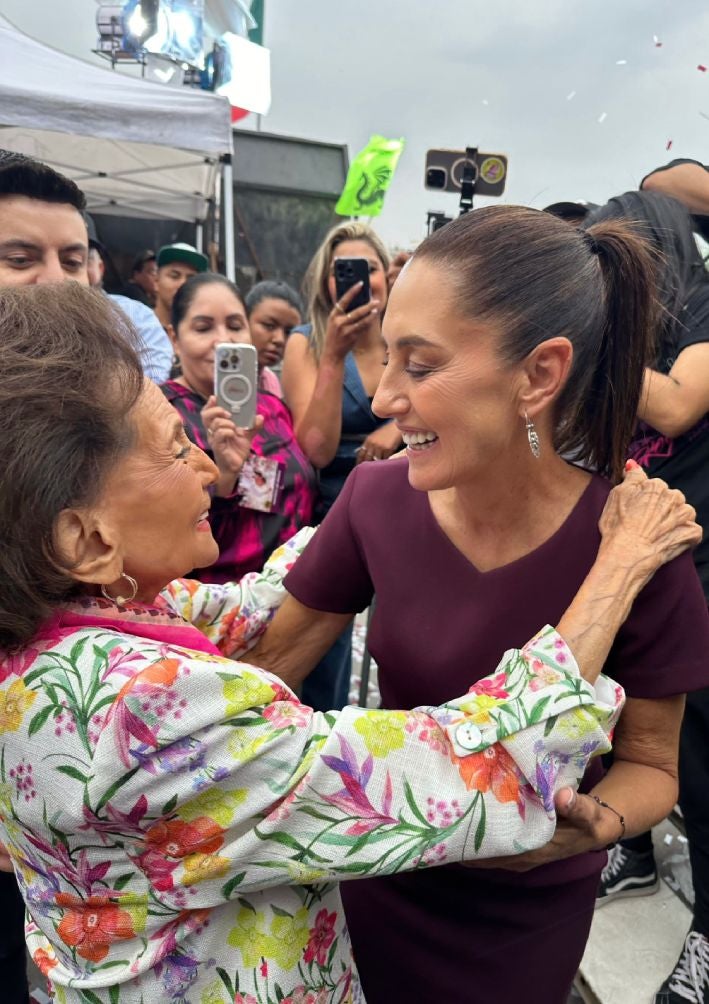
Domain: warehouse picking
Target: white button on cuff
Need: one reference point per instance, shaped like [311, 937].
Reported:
[468, 736]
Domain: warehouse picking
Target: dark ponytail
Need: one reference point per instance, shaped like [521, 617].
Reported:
[603, 408]
[537, 278]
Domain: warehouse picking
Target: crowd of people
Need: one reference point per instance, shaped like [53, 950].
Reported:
[183, 781]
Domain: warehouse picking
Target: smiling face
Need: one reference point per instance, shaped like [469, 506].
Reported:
[156, 500]
[271, 321]
[41, 242]
[214, 315]
[452, 396]
[377, 275]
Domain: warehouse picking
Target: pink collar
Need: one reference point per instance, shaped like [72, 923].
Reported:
[157, 622]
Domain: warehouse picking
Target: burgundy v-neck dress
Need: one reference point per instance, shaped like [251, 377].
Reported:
[454, 934]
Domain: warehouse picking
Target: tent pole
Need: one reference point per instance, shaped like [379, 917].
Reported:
[228, 210]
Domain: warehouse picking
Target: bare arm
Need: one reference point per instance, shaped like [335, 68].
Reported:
[314, 630]
[689, 183]
[313, 389]
[642, 783]
[672, 404]
[314, 395]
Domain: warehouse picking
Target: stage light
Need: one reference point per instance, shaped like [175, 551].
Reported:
[140, 22]
[109, 23]
[170, 28]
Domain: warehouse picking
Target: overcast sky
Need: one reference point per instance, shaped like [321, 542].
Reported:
[495, 74]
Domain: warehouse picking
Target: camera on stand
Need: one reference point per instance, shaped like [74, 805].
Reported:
[465, 173]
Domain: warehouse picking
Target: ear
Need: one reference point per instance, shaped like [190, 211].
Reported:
[545, 372]
[172, 335]
[88, 547]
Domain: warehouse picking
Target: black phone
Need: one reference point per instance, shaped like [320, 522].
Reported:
[348, 271]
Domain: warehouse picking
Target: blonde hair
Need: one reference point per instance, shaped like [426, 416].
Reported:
[315, 285]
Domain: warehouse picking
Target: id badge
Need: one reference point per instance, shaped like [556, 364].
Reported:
[260, 484]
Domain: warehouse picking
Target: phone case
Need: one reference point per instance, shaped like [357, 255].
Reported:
[236, 381]
[348, 271]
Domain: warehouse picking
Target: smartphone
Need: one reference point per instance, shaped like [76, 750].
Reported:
[348, 271]
[236, 381]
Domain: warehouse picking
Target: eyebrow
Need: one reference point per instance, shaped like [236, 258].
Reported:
[17, 244]
[414, 342]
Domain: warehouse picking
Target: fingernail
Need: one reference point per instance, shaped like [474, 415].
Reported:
[375, 311]
[571, 800]
[630, 465]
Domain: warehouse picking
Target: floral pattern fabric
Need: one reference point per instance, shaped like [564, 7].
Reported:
[178, 821]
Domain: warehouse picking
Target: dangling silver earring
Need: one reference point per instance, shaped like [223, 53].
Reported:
[121, 601]
[532, 436]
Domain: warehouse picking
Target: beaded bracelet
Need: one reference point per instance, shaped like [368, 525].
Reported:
[605, 805]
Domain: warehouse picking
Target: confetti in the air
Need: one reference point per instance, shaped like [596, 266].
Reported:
[702, 69]
[571, 96]
[485, 101]
[669, 145]
[602, 117]
[621, 62]
[656, 40]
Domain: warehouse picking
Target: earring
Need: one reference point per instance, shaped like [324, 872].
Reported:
[121, 601]
[532, 436]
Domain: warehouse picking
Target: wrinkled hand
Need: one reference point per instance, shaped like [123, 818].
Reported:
[5, 860]
[582, 825]
[646, 524]
[380, 444]
[230, 445]
[344, 326]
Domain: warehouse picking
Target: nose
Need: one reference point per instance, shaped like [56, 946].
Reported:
[278, 336]
[206, 468]
[50, 270]
[389, 401]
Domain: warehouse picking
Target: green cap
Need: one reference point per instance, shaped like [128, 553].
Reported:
[185, 254]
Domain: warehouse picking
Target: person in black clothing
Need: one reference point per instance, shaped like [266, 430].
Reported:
[143, 282]
[672, 442]
[687, 181]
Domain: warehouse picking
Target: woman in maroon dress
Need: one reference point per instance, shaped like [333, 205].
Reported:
[513, 339]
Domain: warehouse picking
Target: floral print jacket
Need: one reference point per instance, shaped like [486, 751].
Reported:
[179, 822]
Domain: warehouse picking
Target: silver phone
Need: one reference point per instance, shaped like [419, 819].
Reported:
[236, 381]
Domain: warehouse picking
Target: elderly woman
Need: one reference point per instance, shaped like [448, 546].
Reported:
[513, 340]
[177, 819]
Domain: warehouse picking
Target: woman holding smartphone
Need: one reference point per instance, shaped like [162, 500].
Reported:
[266, 488]
[331, 370]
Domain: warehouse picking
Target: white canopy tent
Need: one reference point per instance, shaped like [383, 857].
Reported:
[135, 148]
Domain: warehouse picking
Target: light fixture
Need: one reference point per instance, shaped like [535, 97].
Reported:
[170, 28]
[109, 24]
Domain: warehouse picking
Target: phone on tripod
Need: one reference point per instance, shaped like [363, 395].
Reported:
[349, 271]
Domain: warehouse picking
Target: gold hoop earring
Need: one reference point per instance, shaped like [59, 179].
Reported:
[534, 444]
[119, 600]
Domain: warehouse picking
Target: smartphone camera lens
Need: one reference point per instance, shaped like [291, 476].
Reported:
[223, 364]
[436, 177]
[234, 359]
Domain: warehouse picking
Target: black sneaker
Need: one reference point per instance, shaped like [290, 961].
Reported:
[688, 983]
[627, 873]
